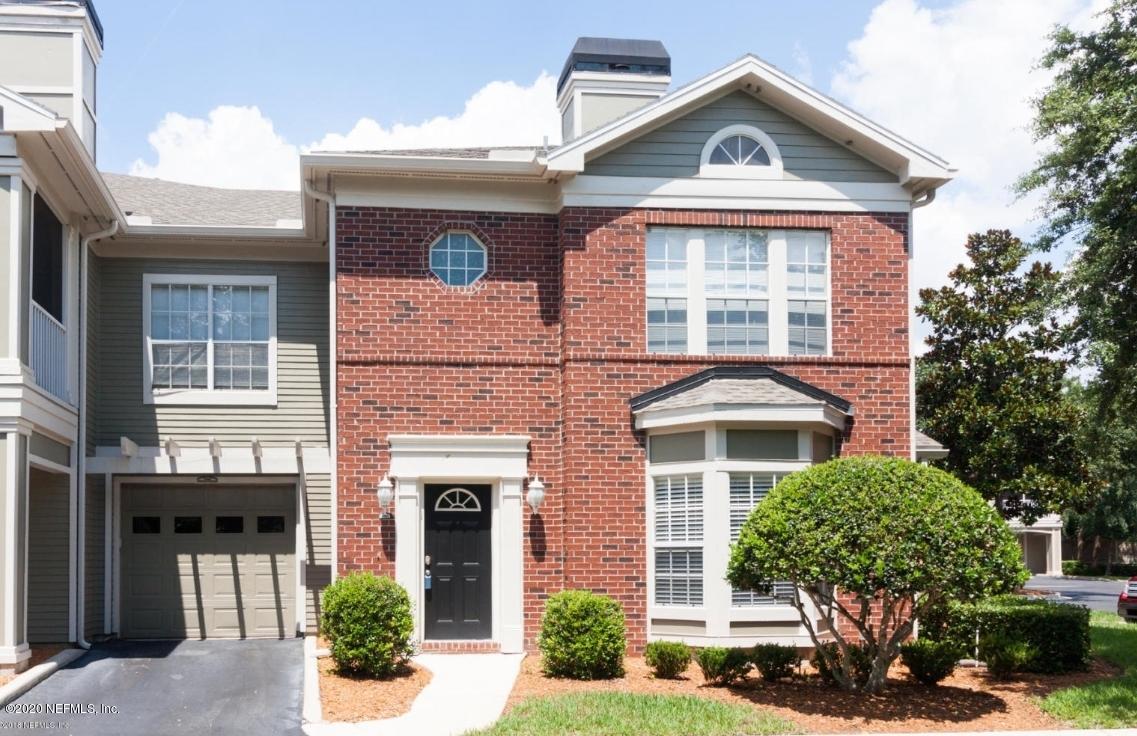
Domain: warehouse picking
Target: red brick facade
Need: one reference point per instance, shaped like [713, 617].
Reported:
[551, 343]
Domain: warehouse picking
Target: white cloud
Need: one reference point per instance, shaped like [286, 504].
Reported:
[803, 65]
[238, 146]
[959, 81]
[499, 114]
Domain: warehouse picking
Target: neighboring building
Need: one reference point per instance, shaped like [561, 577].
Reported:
[1041, 541]
[164, 379]
[700, 291]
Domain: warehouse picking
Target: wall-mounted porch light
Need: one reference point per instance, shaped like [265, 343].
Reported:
[536, 495]
[386, 494]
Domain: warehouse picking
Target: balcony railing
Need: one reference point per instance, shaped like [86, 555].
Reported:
[49, 353]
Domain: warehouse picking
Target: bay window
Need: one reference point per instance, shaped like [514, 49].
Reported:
[737, 291]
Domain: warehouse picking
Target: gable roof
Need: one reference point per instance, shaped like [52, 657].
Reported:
[151, 201]
[928, 448]
[914, 166]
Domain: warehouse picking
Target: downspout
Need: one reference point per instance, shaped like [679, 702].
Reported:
[333, 442]
[81, 454]
[923, 200]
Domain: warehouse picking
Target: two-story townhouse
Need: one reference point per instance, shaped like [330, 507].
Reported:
[165, 469]
[582, 366]
[539, 367]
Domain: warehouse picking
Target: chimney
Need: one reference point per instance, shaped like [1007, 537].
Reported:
[606, 78]
[49, 53]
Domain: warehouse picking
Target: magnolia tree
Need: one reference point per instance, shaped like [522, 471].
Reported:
[872, 543]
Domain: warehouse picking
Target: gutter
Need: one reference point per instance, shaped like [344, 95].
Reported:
[333, 441]
[81, 452]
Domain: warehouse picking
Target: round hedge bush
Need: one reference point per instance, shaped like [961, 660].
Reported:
[367, 620]
[667, 659]
[930, 661]
[582, 636]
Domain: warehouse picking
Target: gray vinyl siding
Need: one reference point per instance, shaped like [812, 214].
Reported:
[93, 557]
[91, 386]
[318, 516]
[673, 149]
[48, 565]
[302, 361]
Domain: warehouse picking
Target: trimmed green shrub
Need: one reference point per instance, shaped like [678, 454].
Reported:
[887, 530]
[582, 636]
[1006, 655]
[930, 661]
[723, 666]
[1097, 569]
[367, 620]
[1057, 633]
[861, 660]
[775, 661]
[667, 659]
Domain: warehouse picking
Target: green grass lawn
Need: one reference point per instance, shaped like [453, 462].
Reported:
[1109, 703]
[631, 714]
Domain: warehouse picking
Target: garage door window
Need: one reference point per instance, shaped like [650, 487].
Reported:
[209, 339]
[146, 525]
[270, 525]
[230, 525]
[187, 525]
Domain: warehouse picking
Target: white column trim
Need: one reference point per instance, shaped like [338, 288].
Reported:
[502, 461]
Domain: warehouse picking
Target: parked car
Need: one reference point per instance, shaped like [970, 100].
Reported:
[1127, 601]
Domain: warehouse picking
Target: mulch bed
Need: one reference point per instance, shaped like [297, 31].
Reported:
[969, 700]
[345, 698]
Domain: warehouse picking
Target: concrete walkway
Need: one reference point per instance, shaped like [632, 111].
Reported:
[467, 691]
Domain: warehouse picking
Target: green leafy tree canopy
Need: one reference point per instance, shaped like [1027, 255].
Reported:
[869, 535]
[1088, 119]
[990, 387]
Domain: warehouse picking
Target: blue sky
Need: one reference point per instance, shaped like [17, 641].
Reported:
[230, 93]
[318, 67]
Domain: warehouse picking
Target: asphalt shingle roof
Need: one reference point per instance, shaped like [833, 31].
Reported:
[736, 391]
[174, 203]
[468, 152]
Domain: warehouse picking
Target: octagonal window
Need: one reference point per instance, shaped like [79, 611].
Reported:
[457, 258]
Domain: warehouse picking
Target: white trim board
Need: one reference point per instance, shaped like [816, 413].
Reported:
[589, 190]
[500, 460]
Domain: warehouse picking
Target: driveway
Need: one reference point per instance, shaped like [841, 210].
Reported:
[1099, 595]
[173, 687]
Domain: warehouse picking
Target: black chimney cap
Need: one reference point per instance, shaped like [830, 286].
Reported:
[627, 55]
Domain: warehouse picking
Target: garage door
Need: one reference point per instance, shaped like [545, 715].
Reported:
[208, 561]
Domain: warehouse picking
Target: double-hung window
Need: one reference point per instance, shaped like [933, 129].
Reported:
[209, 339]
[678, 540]
[737, 291]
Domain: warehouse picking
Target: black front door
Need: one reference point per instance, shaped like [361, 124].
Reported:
[458, 593]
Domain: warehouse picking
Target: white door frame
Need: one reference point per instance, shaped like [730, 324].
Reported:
[502, 462]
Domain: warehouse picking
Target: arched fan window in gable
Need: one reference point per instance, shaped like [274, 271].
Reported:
[458, 499]
[739, 150]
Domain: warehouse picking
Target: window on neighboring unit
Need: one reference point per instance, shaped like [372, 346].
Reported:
[747, 490]
[457, 258]
[47, 259]
[678, 540]
[737, 291]
[210, 339]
